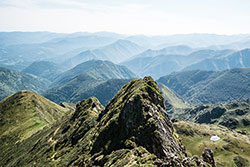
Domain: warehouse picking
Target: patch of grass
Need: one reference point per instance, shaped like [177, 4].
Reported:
[229, 146]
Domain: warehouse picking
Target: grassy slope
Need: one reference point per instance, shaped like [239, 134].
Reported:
[171, 97]
[196, 137]
[25, 113]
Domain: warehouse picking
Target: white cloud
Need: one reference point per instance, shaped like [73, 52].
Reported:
[130, 18]
[17, 3]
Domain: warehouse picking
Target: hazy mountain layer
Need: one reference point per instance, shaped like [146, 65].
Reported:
[155, 64]
[116, 52]
[239, 59]
[22, 52]
[15, 38]
[192, 40]
[171, 50]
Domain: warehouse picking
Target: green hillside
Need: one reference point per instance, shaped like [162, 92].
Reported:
[96, 69]
[172, 100]
[83, 87]
[71, 90]
[92, 78]
[104, 91]
[22, 115]
[209, 87]
[43, 69]
[13, 81]
[233, 115]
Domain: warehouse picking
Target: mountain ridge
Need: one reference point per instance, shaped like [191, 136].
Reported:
[89, 77]
[97, 69]
[43, 69]
[238, 59]
[133, 129]
[22, 115]
[209, 87]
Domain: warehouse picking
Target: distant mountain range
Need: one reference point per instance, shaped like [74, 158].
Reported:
[192, 40]
[150, 63]
[20, 49]
[116, 52]
[209, 87]
[16, 38]
[223, 62]
[171, 50]
[18, 55]
[155, 66]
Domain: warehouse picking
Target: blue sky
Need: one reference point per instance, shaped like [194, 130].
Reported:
[150, 17]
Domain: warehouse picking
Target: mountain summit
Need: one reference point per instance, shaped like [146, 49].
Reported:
[133, 130]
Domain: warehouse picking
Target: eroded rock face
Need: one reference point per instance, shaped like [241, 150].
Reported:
[208, 157]
[137, 113]
[149, 124]
[142, 116]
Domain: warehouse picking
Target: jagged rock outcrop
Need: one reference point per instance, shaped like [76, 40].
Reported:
[208, 156]
[133, 130]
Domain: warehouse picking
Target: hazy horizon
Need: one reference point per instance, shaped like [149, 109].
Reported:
[136, 34]
[138, 17]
